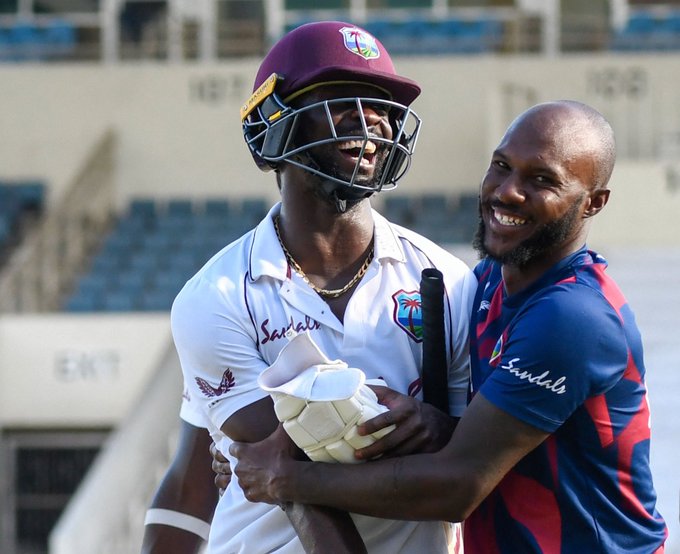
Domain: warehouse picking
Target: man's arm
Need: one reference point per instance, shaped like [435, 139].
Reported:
[445, 485]
[320, 529]
[420, 427]
[187, 489]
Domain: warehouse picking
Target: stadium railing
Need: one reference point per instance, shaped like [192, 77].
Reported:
[36, 275]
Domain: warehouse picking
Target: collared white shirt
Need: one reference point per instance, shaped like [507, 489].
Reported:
[229, 323]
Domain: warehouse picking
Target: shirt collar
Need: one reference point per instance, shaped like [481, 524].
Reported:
[267, 257]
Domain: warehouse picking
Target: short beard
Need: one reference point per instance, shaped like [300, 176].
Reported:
[341, 197]
[540, 244]
[320, 157]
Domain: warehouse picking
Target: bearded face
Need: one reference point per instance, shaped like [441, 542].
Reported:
[536, 246]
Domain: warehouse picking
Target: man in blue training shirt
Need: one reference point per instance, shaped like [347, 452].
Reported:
[552, 453]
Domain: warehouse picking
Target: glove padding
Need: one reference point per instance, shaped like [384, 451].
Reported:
[320, 401]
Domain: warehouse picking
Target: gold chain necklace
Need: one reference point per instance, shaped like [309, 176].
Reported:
[322, 292]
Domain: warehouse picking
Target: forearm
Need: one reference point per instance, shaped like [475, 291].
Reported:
[445, 485]
[322, 529]
[186, 497]
[382, 488]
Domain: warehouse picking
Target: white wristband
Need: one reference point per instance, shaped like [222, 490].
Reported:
[177, 519]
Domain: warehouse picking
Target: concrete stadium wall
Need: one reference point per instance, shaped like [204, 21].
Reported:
[180, 133]
[77, 370]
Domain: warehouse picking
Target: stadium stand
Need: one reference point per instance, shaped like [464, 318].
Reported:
[21, 202]
[646, 30]
[157, 245]
[25, 40]
[426, 36]
[153, 249]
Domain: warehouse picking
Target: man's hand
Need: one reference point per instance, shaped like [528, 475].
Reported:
[261, 466]
[221, 467]
[420, 427]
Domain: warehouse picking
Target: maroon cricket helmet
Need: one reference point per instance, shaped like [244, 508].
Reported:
[333, 51]
[326, 53]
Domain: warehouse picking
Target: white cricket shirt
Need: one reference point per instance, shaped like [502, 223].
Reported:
[229, 323]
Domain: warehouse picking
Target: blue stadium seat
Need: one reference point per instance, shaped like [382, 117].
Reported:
[106, 262]
[216, 208]
[5, 229]
[32, 194]
[120, 243]
[60, 38]
[146, 262]
[641, 22]
[144, 208]
[26, 42]
[180, 207]
[159, 242]
[185, 261]
[119, 302]
[156, 247]
[131, 282]
[170, 280]
[84, 302]
[6, 47]
[253, 209]
[400, 209]
[379, 28]
[156, 300]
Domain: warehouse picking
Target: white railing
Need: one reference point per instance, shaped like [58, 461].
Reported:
[37, 274]
[205, 30]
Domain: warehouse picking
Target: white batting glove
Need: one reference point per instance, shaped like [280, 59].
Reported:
[320, 401]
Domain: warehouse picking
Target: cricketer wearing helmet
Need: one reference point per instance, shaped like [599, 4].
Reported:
[295, 66]
[328, 276]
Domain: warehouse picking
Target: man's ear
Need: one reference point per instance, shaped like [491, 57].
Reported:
[598, 200]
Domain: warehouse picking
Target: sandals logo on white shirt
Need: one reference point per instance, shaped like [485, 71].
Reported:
[541, 380]
[228, 382]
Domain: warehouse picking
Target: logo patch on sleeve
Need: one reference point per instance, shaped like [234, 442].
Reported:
[228, 382]
[497, 352]
[408, 313]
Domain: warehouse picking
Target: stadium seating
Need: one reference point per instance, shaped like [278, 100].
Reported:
[419, 35]
[27, 41]
[20, 201]
[649, 31]
[444, 219]
[156, 246]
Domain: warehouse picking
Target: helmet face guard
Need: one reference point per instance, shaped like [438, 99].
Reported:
[271, 128]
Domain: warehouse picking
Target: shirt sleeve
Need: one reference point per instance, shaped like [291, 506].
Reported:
[563, 347]
[190, 412]
[217, 348]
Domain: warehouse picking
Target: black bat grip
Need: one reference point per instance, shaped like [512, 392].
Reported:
[435, 369]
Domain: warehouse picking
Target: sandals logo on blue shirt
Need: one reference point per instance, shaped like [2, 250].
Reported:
[408, 313]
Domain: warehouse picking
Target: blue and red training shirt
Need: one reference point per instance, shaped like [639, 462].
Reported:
[565, 355]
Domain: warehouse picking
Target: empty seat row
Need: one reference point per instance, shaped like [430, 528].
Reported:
[417, 35]
[142, 264]
[442, 218]
[155, 247]
[649, 31]
[438, 36]
[27, 41]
